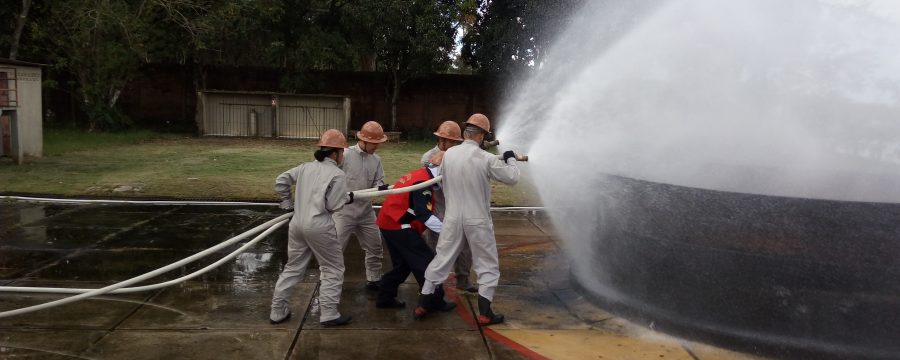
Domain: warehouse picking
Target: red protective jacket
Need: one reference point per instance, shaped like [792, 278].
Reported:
[399, 211]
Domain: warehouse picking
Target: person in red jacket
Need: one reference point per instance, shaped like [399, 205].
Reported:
[402, 220]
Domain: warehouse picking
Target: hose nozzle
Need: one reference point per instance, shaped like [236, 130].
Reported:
[518, 157]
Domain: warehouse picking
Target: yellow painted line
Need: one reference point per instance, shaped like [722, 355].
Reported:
[594, 344]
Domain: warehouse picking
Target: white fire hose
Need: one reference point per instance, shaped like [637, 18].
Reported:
[369, 193]
[161, 285]
[271, 225]
[121, 287]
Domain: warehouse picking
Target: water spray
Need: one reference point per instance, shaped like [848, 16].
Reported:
[770, 170]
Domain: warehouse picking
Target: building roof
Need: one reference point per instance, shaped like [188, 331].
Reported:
[241, 92]
[5, 61]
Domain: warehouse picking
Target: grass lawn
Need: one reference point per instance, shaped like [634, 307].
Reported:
[157, 165]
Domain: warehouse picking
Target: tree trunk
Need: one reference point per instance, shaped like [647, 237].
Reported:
[114, 98]
[20, 27]
[369, 60]
[394, 95]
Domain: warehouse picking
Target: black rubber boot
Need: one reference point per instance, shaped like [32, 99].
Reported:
[373, 285]
[425, 303]
[445, 306]
[487, 316]
[391, 304]
[343, 320]
[438, 302]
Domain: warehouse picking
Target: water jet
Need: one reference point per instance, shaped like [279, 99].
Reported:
[732, 169]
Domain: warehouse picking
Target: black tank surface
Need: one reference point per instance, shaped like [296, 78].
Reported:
[780, 276]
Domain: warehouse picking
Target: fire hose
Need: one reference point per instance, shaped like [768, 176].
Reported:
[122, 287]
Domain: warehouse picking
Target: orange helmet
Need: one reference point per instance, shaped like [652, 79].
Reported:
[333, 138]
[437, 158]
[480, 121]
[449, 130]
[371, 132]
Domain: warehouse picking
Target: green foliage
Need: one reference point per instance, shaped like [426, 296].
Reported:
[406, 38]
[511, 36]
[102, 43]
[7, 26]
[411, 36]
[102, 116]
[237, 33]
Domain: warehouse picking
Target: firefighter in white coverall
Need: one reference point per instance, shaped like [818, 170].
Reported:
[321, 190]
[449, 134]
[468, 171]
[364, 171]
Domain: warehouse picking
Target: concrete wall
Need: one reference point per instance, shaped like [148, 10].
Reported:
[29, 108]
[30, 112]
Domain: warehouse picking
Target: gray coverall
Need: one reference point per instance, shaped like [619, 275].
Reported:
[321, 190]
[363, 171]
[468, 171]
[464, 260]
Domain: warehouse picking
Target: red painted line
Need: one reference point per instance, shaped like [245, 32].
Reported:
[513, 345]
[467, 317]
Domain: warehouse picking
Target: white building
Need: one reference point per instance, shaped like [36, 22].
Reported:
[266, 114]
[21, 121]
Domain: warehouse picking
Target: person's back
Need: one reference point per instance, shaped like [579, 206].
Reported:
[321, 189]
[468, 171]
[316, 177]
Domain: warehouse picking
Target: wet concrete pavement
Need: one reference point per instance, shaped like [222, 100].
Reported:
[224, 313]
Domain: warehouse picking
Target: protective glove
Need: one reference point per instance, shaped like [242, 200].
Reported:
[383, 187]
[286, 204]
[351, 198]
[508, 154]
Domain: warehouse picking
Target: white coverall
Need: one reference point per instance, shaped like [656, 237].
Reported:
[464, 260]
[363, 171]
[321, 190]
[468, 171]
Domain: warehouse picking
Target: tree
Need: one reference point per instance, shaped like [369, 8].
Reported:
[511, 36]
[294, 35]
[406, 38]
[103, 44]
[96, 41]
[311, 38]
[20, 26]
